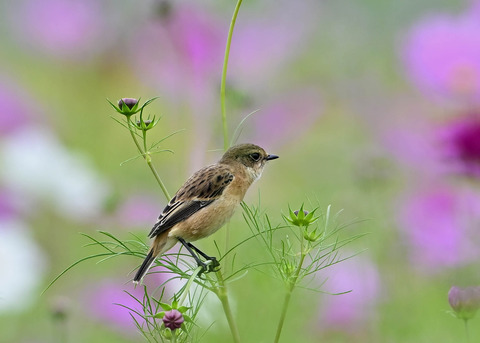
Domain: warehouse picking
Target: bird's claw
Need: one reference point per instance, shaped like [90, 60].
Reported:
[212, 266]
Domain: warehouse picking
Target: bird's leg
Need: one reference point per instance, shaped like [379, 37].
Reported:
[202, 264]
[215, 263]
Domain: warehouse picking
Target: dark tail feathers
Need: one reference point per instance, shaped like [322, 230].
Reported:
[147, 263]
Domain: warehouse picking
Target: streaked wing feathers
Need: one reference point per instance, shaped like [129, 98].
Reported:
[199, 191]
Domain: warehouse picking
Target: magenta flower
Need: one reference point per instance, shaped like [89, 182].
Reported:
[173, 319]
[352, 310]
[460, 142]
[437, 226]
[181, 52]
[442, 55]
[62, 28]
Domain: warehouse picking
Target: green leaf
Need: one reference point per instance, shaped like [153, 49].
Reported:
[166, 307]
[159, 315]
[183, 309]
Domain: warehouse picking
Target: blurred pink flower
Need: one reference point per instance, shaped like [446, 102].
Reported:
[438, 224]
[285, 118]
[460, 142]
[181, 51]
[266, 40]
[353, 310]
[8, 208]
[139, 211]
[442, 55]
[450, 147]
[16, 108]
[103, 301]
[62, 28]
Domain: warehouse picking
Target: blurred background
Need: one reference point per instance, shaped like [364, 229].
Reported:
[373, 107]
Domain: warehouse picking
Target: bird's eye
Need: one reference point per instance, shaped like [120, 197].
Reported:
[255, 156]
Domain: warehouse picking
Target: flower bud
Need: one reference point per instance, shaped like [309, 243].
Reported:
[173, 319]
[464, 301]
[129, 106]
[128, 102]
[301, 217]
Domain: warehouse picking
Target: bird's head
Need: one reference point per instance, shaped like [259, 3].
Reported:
[249, 155]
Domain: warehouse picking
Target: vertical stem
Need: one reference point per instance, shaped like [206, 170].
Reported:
[188, 285]
[148, 159]
[286, 301]
[222, 294]
[224, 75]
[466, 331]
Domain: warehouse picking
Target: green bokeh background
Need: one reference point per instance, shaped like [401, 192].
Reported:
[354, 58]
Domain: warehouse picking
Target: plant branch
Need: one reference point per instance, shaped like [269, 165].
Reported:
[224, 75]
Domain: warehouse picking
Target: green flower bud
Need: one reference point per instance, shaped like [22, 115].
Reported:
[311, 236]
[301, 217]
[129, 106]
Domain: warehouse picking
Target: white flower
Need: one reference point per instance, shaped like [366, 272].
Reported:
[36, 164]
[22, 265]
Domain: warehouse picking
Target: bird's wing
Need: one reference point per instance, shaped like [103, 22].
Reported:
[199, 191]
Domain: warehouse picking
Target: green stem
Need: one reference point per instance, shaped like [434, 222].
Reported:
[224, 75]
[286, 301]
[222, 294]
[188, 285]
[466, 331]
[148, 158]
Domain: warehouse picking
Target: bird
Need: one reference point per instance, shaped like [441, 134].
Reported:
[205, 202]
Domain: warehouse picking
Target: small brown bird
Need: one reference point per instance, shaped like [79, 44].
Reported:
[205, 203]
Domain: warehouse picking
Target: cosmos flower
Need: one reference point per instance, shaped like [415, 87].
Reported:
[438, 225]
[465, 302]
[460, 143]
[16, 108]
[442, 56]
[103, 301]
[36, 165]
[22, 272]
[286, 117]
[353, 310]
[60, 28]
[139, 210]
[181, 51]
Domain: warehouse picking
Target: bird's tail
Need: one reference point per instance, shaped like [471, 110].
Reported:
[159, 246]
[147, 263]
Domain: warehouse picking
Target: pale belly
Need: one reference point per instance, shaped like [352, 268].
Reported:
[206, 221]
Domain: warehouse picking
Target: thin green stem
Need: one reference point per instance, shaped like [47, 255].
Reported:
[148, 158]
[467, 333]
[188, 285]
[286, 301]
[222, 293]
[224, 75]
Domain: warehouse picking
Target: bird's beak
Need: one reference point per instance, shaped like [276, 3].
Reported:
[271, 157]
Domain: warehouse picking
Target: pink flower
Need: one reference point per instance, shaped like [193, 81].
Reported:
[110, 302]
[437, 224]
[17, 108]
[62, 28]
[350, 311]
[442, 56]
[285, 117]
[139, 211]
[460, 142]
[181, 52]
